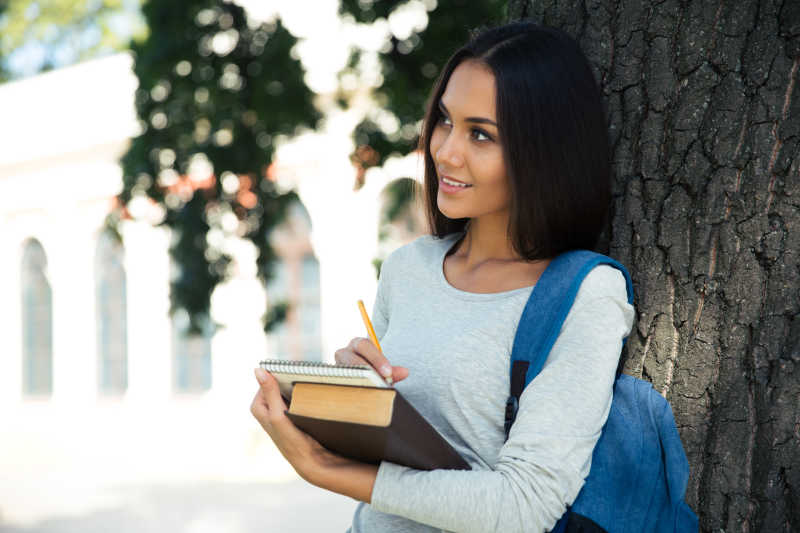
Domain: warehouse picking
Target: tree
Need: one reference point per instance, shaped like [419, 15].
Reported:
[704, 117]
[60, 32]
[213, 94]
[212, 97]
[409, 66]
[3, 74]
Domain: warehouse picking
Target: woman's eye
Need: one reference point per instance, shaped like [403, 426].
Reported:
[444, 120]
[480, 135]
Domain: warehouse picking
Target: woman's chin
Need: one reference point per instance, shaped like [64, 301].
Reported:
[448, 210]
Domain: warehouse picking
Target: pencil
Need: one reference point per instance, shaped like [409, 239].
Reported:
[371, 331]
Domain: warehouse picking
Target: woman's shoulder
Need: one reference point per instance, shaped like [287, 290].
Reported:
[603, 281]
[424, 250]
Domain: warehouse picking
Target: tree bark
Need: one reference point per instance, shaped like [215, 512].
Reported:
[704, 113]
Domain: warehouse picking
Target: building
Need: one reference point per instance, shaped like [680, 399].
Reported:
[97, 385]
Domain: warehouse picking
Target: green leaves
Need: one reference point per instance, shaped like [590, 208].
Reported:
[59, 32]
[410, 63]
[213, 94]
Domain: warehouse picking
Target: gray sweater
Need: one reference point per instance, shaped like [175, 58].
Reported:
[457, 347]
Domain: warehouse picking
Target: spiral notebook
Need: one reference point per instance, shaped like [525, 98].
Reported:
[353, 412]
[290, 372]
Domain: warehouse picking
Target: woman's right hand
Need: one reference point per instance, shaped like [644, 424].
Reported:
[361, 351]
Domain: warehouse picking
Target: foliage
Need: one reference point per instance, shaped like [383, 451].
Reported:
[276, 314]
[213, 95]
[3, 7]
[377, 264]
[399, 194]
[59, 32]
[410, 66]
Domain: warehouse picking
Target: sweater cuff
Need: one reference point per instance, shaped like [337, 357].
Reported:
[384, 489]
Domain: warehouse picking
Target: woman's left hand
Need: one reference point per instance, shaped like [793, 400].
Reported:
[309, 458]
[305, 454]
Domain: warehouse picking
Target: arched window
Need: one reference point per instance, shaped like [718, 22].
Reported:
[37, 322]
[112, 335]
[308, 309]
[278, 289]
[296, 282]
[191, 367]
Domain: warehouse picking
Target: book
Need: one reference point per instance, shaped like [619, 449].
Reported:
[353, 412]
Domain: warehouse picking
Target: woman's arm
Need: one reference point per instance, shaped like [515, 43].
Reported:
[539, 470]
[312, 462]
[542, 466]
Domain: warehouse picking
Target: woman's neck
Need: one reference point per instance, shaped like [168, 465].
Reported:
[486, 241]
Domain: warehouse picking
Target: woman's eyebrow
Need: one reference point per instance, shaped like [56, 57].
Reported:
[479, 120]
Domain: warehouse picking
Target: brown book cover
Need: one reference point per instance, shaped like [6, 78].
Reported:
[395, 431]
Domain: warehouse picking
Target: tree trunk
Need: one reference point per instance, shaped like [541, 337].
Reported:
[704, 114]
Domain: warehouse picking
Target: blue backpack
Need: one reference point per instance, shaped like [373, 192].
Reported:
[639, 470]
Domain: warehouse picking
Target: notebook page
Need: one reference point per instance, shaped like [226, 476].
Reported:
[290, 372]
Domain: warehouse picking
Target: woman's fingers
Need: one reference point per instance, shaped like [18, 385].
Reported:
[399, 373]
[268, 406]
[346, 356]
[366, 349]
[361, 351]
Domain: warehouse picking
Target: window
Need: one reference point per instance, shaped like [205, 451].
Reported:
[37, 322]
[309, 309]
[112, 337]
[278, 345]
[296, 282]
[191, 355]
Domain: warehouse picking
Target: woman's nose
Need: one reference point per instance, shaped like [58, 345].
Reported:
[450, 151]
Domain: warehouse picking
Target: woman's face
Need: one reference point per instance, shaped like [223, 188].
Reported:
[465, 147]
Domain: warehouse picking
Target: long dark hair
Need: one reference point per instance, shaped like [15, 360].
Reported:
[552, 127]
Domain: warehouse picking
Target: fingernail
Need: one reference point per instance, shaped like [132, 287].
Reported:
[386, 371]
[261, 376]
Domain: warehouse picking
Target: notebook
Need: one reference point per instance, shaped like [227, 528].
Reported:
[290, 372]
[352, 411]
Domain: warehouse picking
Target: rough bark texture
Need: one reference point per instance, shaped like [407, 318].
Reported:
[704, 111]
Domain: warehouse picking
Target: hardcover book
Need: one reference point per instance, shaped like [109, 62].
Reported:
[353, 412]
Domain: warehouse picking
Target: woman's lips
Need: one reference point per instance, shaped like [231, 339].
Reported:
[451, 189]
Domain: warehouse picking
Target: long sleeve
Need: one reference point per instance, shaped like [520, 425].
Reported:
[542, 466]
[380, 313]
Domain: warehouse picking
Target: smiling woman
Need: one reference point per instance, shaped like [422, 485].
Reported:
[469, 160]
[516, 172]
[533, 106]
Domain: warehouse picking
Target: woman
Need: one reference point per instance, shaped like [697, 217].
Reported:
[516, 171]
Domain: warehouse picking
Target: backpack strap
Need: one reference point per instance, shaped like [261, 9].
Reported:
[639, 469]
[545, 312]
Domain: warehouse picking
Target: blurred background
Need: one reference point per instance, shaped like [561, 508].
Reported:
[187, 188]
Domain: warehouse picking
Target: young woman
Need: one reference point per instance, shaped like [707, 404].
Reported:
[516, 171]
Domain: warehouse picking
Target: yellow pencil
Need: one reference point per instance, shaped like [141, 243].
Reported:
[371, 331]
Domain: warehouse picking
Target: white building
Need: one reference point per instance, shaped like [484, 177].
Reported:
[96, 387]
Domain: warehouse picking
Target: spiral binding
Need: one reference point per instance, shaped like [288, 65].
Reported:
[312, 368]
